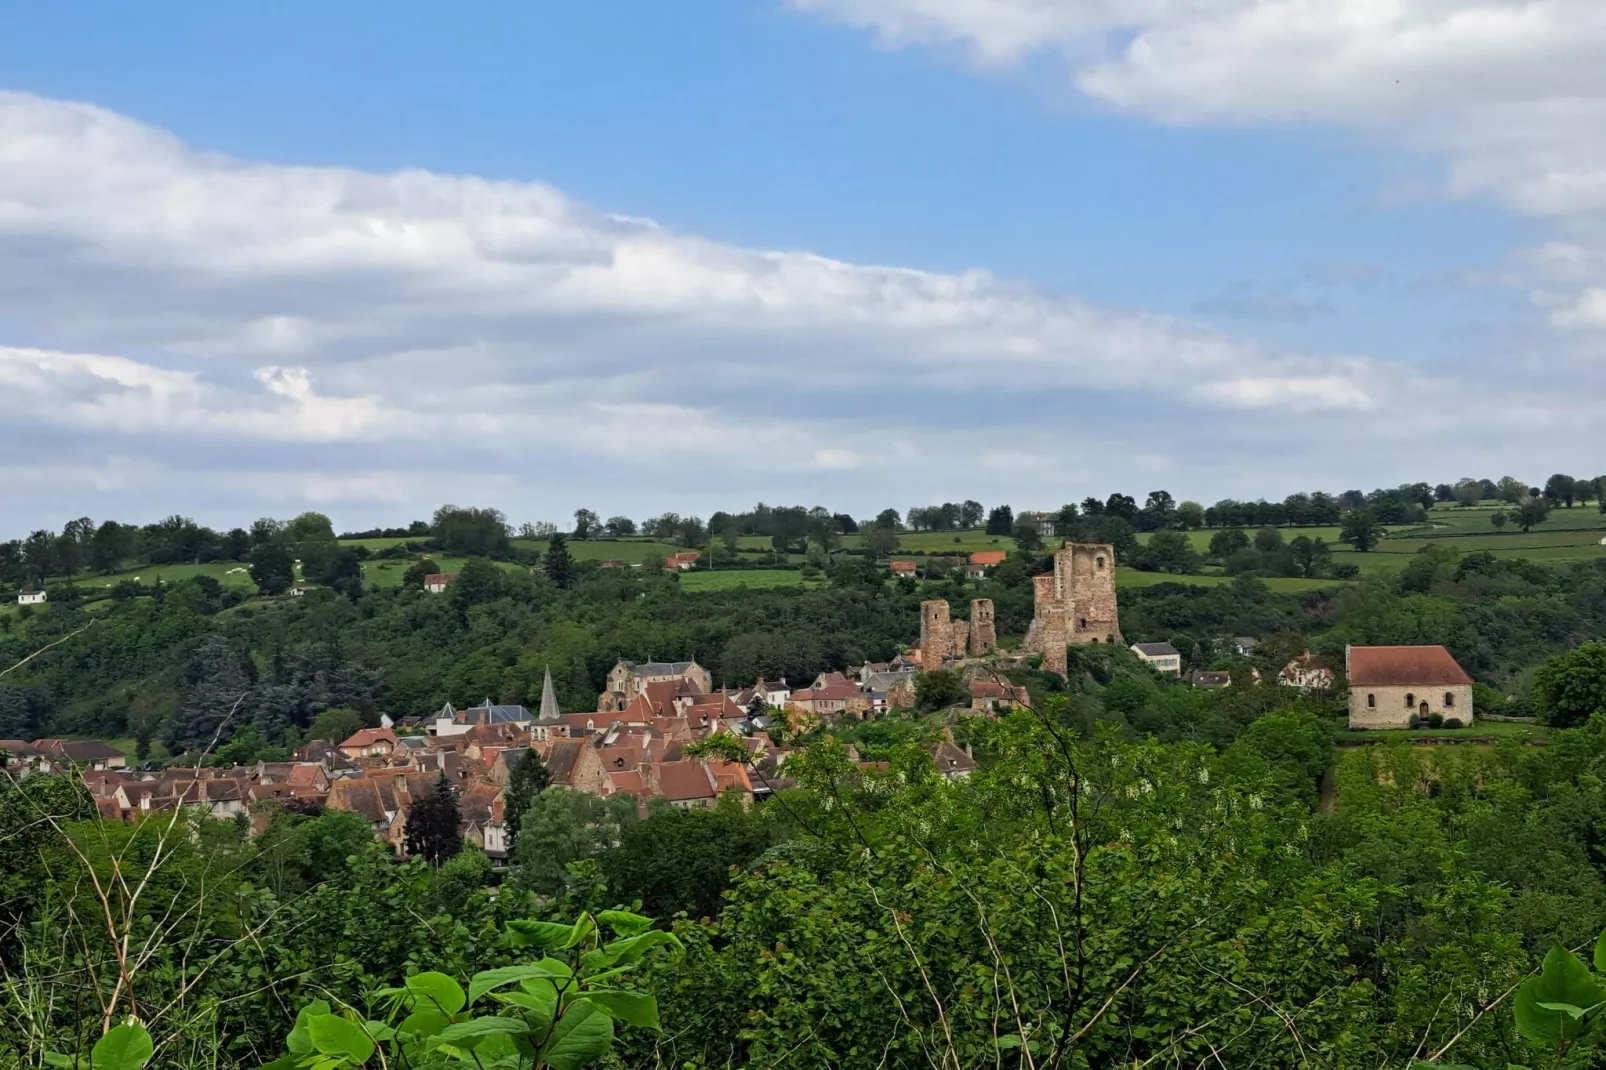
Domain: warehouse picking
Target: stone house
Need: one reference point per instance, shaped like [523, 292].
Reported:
[437, 582]
[370, 743]
[627, 679]
[1389, 685]
[1306, 673]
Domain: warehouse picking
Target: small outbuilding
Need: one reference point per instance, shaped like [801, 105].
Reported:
[1402, 686]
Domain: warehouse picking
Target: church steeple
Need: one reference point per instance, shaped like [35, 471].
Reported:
[549, 698]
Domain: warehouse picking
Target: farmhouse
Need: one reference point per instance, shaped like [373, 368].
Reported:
[436, 582]
[1398, 686]
[30, 598]
[1161, 657]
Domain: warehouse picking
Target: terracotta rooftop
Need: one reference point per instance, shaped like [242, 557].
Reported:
[1401, 666]
[988, 557]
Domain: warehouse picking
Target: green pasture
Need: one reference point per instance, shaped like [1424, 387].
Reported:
[1131, 577]
[734, 578]
[228, 573]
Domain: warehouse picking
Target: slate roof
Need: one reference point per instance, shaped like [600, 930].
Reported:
[1156, 650]
[1403, 666]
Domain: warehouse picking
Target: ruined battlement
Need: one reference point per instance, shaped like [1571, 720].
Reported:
[1075, 603]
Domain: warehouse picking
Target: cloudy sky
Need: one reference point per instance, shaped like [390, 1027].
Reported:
[637, 256]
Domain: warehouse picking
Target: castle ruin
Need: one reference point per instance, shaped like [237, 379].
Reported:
[943, 639]
[1075, 603]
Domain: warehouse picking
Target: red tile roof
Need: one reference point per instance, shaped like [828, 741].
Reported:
[1403, 666]
[988, 557]
[684, 781]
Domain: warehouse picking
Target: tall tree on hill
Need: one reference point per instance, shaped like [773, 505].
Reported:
[559, 567]
[471, 532]
[1561, 489]
[1001, 521]
[434, 824]
[1027, 537]
[1532, 511]
[586, 524]
[272, 568]
[1360, 529]
[970, 514]
[528, 779]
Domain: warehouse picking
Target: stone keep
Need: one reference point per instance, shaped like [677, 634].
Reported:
[983, 632]
[936, 635]
[1075, 603]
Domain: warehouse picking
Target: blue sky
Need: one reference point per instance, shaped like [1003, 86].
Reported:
[1170, 273]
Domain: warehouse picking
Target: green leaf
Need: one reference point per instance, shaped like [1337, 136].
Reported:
[424, 1023]
[541, 934]
[340, 1037]
[490, 980]
[584, 926]
[632, 1008]
[437, 990]
[64, 1062]
[468, 1034]
[627, 924]
[632, 948]
[538, 1009]
[1600, 952]
[1564, 981]
[124, 1047]
[300, 1041]
[581, 1037]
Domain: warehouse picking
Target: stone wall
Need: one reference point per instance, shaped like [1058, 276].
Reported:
[1387, 707]
[936, 635]
[983, 630]
[961, 638]
[1086, 572]
[1056, 635]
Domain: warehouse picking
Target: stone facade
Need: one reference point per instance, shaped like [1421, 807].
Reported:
[961, 637]
[983, 632]
[936, 635]
[1391, 707]
[1075, 603]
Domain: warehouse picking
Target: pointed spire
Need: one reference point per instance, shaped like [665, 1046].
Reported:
[549, 697]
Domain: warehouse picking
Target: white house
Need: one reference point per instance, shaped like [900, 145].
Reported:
[436, 582]
[1162, 657]
[30, 598]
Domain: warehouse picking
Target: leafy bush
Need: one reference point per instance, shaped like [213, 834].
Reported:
[1453, 722]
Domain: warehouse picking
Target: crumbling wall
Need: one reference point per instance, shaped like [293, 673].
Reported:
[1091, 584]
[983, 630]
[1055, 635]
[936, 634]
[961, 638]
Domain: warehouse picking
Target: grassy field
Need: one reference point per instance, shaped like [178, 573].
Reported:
[755, 577]
[1479, 730]
[1131, 577]
[228, 573]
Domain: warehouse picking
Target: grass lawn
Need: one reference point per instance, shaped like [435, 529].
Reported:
[228, 573]
[1131, 577]
[752, 577]
[1479, 730]
[389, 573]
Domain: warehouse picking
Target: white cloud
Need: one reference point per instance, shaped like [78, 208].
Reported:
[277, 335]
[1510, 94]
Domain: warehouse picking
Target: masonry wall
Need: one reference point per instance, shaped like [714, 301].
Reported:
[961, 638]
[936, 634]
[1086, 572]
[983, 630]
[1391, 711]
[1055, 635]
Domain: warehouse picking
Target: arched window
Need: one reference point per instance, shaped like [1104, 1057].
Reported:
[1099, 561]
[1371, 702]
[1410, 700]
[1449, 699]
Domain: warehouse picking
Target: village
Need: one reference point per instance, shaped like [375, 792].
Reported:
[635, 742]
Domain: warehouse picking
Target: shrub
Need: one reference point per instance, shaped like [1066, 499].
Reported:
[1452, 722]
[1414, 722]
[1436, 720]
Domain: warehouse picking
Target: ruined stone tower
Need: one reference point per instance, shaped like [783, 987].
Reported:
[936, 635]
[1075, 602]
[983, 632]
[961, 638]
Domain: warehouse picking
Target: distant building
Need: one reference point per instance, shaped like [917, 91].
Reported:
[1306, 673]
[1388, 685]
[904, 569]
[436, 582]
[1162, 657]
[683, 562]
[31, 598]
[1210, 681]
[369, 743]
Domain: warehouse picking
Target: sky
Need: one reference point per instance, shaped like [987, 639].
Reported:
[632, 256]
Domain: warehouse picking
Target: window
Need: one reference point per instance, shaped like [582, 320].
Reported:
[1410, 700]
[1099, 561]
[1449, 699]
[1371, 702]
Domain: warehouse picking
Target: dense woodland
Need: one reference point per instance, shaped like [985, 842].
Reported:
[1141, 873]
